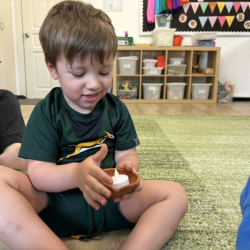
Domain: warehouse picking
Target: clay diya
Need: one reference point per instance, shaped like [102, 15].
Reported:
[133, 178]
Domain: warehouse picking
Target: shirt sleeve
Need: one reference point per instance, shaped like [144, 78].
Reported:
[41, 139]
[125, 133]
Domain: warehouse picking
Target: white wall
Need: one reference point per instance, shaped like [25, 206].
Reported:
[235, 51]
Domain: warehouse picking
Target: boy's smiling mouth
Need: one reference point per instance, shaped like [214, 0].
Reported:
[91, 97]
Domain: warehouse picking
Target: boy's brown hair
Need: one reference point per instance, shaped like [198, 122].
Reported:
[74, 28]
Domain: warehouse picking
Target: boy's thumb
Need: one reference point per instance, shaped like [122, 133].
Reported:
[101, 154]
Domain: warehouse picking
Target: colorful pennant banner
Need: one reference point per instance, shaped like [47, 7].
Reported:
[230, 20]
[240, 9]
[236, 6]
[244, 6]
[212, 6]
[204, 6]
[221, 6]
[212, 20]
[195, 6]
[186, 7]
[203, 20]
[222, 20]
[229, 6]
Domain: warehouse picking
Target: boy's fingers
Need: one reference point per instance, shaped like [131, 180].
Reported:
[117, 200]
[128, 196]
[100, 175]
[139, 187]
[91, 202]
[101, 154]
[99, 188]
[93, 198]
[124, 197]
[125, 165]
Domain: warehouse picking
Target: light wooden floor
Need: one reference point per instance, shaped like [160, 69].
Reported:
[112, 240]
[230, 109]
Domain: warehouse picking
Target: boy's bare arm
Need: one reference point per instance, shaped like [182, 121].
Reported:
[49, 177]
[127, 159]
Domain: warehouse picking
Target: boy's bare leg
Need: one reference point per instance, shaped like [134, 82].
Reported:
[158, 210]
[9, 158]
[20, 226]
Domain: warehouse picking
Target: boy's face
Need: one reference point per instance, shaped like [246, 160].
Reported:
[84, 83]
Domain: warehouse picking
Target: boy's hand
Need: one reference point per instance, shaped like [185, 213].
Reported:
[87, 175]
[129, 167]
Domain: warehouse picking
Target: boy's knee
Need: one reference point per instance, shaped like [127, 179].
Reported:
[4, 159]
[12, 177]
[4, 172]
[9, 158]
[181, 194]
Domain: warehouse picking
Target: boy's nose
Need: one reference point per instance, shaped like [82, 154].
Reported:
[93, 83]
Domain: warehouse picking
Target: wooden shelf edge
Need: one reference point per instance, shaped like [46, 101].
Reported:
[165, 75]
[203, 75]
[177, 75]
[190, 101]
[170, 48]
[128, 75]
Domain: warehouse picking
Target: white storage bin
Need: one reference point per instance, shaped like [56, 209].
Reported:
[176, 69]
[176, 61]
[127, 94]
[127, 65]
[200, 91]
[152, 71]
[152, 91]
[163, 37]
[149, 63]
[175, 90]
[129, 57]
[163, 21]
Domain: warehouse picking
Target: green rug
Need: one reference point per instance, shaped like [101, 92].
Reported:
[209, 156]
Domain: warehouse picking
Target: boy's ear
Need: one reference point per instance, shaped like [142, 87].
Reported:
[52, 70]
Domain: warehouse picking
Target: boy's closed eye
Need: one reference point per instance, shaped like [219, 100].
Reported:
[76, 75]
[104, 74]
[80, 75]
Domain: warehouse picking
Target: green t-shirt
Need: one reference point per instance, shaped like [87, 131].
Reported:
[57, 133]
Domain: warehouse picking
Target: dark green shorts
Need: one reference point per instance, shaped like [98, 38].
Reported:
[67, 214]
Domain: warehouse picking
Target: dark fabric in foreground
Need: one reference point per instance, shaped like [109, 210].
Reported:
[12, 125]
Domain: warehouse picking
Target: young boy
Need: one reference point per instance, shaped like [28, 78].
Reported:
[75, 132]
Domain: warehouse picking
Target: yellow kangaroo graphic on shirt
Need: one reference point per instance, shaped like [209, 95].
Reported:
[84, 146]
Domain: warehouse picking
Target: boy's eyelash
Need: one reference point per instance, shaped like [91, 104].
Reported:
[78, 75]
[104, 74]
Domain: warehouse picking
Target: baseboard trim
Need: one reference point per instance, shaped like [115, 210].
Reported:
[241, 99]
[25, 101]
[21, 97]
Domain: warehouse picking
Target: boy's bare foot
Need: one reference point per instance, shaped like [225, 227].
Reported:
[9, 158]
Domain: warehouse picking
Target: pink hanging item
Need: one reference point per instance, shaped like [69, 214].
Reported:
[151, 11]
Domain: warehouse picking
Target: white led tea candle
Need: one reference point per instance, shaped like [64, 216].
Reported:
[119, 180]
